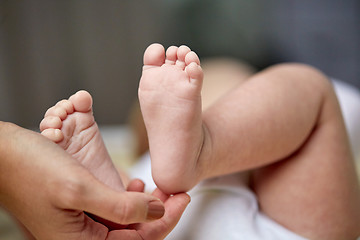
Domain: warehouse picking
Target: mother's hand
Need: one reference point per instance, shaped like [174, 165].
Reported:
[158, 229]
[49, 191]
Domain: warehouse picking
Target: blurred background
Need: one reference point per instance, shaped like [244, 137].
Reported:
[50, 49]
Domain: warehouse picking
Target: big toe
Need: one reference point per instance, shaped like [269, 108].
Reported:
[154, 55]
[82, 101]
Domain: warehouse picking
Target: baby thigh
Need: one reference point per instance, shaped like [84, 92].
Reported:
[315, 191]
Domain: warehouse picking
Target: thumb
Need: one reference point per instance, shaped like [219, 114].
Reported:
[119, 207]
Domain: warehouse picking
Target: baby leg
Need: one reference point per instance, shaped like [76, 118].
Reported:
[71, 124]
[285, 124]
[314, 191]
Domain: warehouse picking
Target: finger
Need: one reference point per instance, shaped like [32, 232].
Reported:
[124, 234]
[119, 207]
[161, 195]
[174, 208]
[136, 185]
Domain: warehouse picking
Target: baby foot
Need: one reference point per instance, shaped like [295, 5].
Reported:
[170, 100]
[71, 124]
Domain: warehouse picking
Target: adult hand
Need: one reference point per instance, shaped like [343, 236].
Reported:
[159, 229]
[49, 191]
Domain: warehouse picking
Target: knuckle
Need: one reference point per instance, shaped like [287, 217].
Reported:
[126, 212]
[123, 212]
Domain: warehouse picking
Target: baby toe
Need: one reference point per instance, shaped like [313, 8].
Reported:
[50, 122]
[56, 111]
[181, 53]
[195, 73]
[192, 57]
[54, 135]
[67, 105]
[171, 55]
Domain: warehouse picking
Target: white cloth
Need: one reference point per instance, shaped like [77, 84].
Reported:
[349, 99]
[220, 208]
[224, 208]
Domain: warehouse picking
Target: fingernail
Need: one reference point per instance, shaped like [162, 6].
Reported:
[156, 210]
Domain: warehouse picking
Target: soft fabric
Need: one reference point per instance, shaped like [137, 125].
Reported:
[349, 99]
[220, 208]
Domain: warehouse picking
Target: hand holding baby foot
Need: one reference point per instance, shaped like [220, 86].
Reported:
[53, 190]
[70, 124]
[170, 101]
